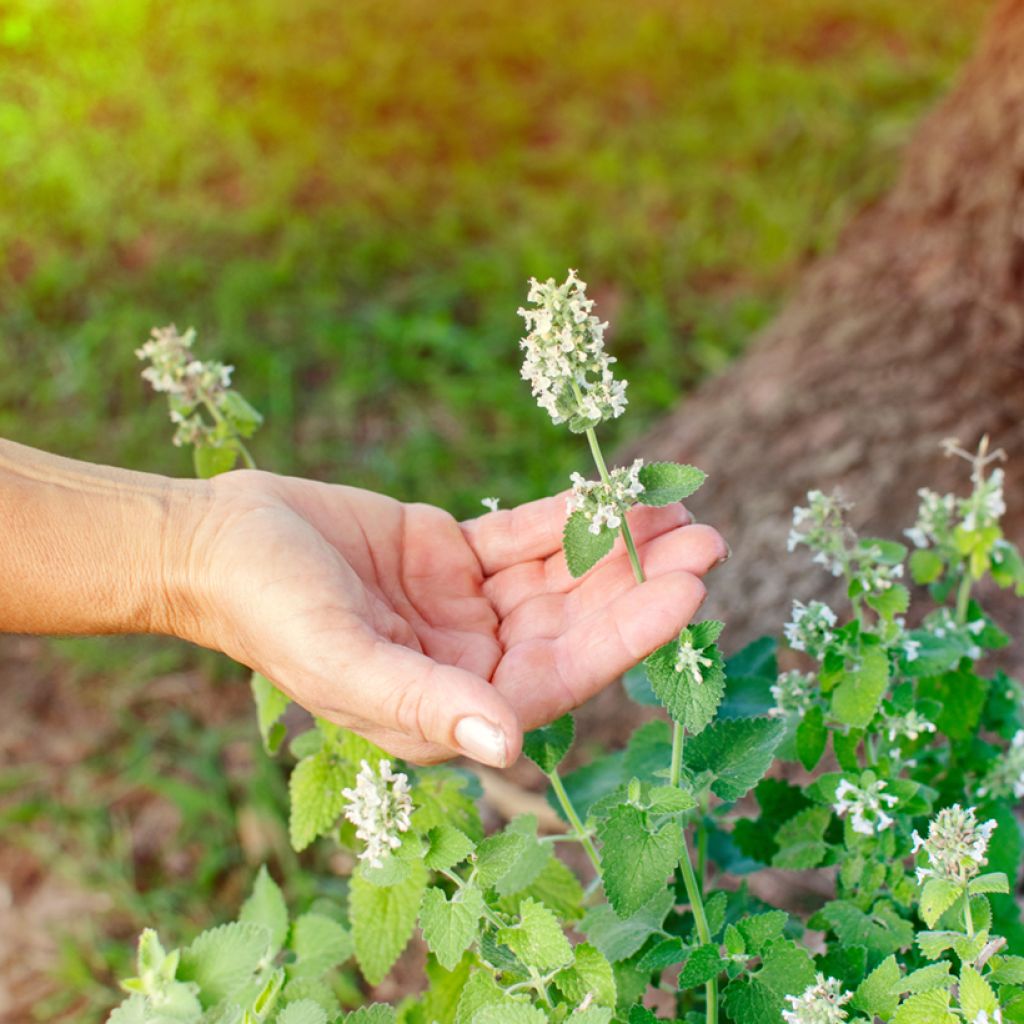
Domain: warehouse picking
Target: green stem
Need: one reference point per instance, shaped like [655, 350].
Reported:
[250, 462]
[963, 596]
[968, 918]
[702, 844]
[574, 820]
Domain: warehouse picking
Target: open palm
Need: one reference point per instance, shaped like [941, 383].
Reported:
[428, 636]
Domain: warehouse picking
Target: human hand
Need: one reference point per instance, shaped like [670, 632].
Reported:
[429, 637]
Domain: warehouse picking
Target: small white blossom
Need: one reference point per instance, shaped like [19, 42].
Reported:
[820, 1003]
[490, 503]
[934, 519]
[909, 726]
[864, 805]
[380, 807]
[984, 1017]
[810, 628]
[956, 845]
[692, 661]
[792, 692]
[1007, 774]
[564, 358]
[872, 572]
[605, 504]
[985, 505]
[820, 526]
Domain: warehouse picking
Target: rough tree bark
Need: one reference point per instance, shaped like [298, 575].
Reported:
[911, 331]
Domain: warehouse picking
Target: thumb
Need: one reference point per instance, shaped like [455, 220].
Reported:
[430, 702]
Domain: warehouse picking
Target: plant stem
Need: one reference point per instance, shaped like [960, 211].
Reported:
[574, 820]
[968, 918]
[250, 462]
[963, 596]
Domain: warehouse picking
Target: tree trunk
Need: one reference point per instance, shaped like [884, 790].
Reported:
[910, 332]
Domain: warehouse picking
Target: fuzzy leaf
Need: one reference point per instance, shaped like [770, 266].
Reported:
[303, 1011]
[537, 940]
[926, 1008]
[692, 704]
[704, 963]
[924, 979]
[759, 930]
[811, 737]
[976, 994]
[316, 799]
[583, 549]
[994, 881]
[925, 566]
[211, 461]
[759, 998]
[636, 861]
[450, 926]
[222, 960]
[878, 995]
[801, 840]
[556, 887]
[481, 990]
[934, 944]
[271, 704]
[546, 746]
[736, 751]
[937, 896]
[498, 855]
[857, 697]
[666, 482]
[509, 1013]
[890, 603]
[383, 919]
[618, 938]
[319, 943]
[590, 974]
[447, 847]
[881, 931]
[266, 906]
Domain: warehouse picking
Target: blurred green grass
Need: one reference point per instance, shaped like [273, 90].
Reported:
[346, 201]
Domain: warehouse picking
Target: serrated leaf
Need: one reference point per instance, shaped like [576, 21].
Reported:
[670, 800]
[878, 994]
[881, 930]
[926, 978]
[759, 930]
[890, 603]
[375, 1013]
[859, 694]
[443, 795]
[937, 896]
[537, 939]
[319, 943]
[635, 860]
[811, 737]
[736, 751]
[592, 1014]
[925, 566]
[528, 866]
[590, 974]
[703, 964]
[383, 920]
[976, 995]
[509, 1013]
[994, 881]
[315, 789]
[1007, 969]
[302, 1011]
[583, 549]
[664, 954]
[667, 482]
[446, 847]
[480, 990]
[556, 887]
[546, 746]
[801, 840]
[934, 944]
[271, 704]
[222, 960]
[690, 703]
[451, 926]
[618, 938]
[759, 998]
[497, 855]
[265, 906]
[925, 1008]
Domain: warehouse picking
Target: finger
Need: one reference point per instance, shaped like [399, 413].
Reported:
[543, 679]
[405, 692]
[694, 549]
[531, 531]
[512, 586]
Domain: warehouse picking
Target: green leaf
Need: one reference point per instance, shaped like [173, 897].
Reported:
[760, 930]
[618, 938]
[583, 549]
[531, 861]
[691, 703]
[303, 1011]
[1007, 969]
[664, 954]
[590, 974]
[881, 930]
[926, 978]
[593, 1014]
[961, 696]
[811, 737]
[266, 906]
[556, 887]
[994, 881]
[222, 960]
[546, 746]
[451, 926]
[937, 896]
[481, 990]
[736, 751]
[666, 482]
[934, 944]
[759, 998]
[498, 855]
[670, 800]
[383, 919]
[271, 704]
[705, 633]
[925, 567]
[447, 846]
[537, 940]
[925, 1008]
[509, 1013]
[976, 994]
[443, 795]
[878, 994]
[210, 462]
[244, 418]
[890, 603]
[801, 840]
[635, 861]
[857, 697]
[319, 943]
[703, 964]
[316, 799]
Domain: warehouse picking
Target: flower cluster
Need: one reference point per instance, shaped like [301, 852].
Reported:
[565, 362]
[604, 504]
[819, 526]
[793, 693]
[910, 726]
[934, 523]
[985, 505]
[956, 845]
[872, 570]
[380, 807]
[810, 628]
[189, 382]
[864, 806]
[1007, 775]
[820, 1003]
[691, 661]
[943, 624]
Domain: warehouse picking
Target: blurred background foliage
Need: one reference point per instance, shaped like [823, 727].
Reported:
[346, 200]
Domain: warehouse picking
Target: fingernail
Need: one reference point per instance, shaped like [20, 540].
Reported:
[482, 741]
[726, 556]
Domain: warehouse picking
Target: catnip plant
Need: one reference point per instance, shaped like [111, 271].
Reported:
[871, 750]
